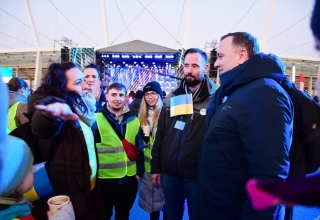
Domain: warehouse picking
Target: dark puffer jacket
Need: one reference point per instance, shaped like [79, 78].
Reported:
[69, 170]
[249, 136]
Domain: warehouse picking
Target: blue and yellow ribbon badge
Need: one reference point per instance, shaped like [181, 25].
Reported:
[41, 184]
[181, 105]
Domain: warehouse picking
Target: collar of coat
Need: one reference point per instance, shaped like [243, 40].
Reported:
[204, 91]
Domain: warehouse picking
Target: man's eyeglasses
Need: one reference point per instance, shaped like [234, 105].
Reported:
[152, 94]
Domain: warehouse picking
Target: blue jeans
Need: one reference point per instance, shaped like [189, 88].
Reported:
[176, 190]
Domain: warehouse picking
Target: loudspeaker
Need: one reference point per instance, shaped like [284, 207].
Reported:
[212, 71]
[65, 54]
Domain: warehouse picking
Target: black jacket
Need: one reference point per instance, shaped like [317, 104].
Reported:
[135, 106]
[69, 170]
[174, 151]
[248, 136]
[305, 147]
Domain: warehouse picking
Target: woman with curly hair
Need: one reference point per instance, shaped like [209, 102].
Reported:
[63, 114]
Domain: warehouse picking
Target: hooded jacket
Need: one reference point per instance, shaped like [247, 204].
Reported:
[176, 151]
[249, 136]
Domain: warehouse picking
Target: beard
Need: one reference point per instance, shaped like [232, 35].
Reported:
[193, 82]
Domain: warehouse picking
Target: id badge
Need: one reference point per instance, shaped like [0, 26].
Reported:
[180, 125]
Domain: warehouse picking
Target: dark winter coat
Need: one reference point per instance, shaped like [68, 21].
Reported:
[69, 170]
[305, 148]
[176, 151]
[135, 106]
[249, 136]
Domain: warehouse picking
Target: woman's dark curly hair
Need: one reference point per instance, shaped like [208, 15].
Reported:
[55, 82]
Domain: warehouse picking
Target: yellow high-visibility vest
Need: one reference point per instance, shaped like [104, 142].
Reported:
[11, 123]
[113, 161]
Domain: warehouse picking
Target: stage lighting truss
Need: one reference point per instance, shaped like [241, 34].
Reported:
[139, 56]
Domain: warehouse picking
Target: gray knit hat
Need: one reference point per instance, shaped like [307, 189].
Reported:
[16, 165]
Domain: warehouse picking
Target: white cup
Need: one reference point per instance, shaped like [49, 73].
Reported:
[146, 130]
[57, 202]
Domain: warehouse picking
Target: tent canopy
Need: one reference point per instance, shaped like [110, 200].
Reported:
[136, 46]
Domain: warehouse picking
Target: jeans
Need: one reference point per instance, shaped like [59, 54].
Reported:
[176, 190]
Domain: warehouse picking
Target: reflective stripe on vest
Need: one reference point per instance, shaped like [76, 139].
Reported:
[11, 123]
[113, 161]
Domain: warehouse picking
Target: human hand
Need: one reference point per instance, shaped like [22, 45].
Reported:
[138, 178]
[58, 110]
[156, 179]
[49, 214]
[95, 89]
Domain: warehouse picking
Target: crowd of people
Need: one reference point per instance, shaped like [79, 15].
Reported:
[230, 152]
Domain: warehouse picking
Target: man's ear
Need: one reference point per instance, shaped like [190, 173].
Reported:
[206, 68]
[107, 96]
[244, 56]
[20, 90]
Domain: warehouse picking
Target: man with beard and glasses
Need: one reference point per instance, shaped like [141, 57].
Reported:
[120, 153]
[180, 131]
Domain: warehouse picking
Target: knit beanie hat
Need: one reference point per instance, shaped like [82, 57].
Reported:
[152, 86]
[16, 165]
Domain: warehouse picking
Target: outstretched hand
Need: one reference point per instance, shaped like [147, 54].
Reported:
[58, 110]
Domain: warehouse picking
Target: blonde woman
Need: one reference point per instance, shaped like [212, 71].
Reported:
[150, 198]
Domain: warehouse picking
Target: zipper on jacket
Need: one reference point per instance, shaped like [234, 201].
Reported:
[190, 124]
